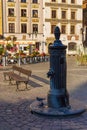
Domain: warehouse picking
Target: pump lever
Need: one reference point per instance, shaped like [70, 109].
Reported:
[50, 73]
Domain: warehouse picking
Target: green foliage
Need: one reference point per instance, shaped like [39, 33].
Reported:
[28, 47]
[35, 53]
[82, 59]
[81, 56]
[8, 38]
[8, 46]
[1, 49]
[14, 38]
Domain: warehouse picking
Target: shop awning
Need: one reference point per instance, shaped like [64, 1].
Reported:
[2, 42]
[25, 42]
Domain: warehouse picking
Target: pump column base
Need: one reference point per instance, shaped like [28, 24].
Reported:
[43, 109]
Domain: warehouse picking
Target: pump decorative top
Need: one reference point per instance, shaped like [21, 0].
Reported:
[57, 41]
[57, 33]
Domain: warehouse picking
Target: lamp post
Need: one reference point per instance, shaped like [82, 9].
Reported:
[84, 39]
[82, 32]
[19, 58]
[4, 57]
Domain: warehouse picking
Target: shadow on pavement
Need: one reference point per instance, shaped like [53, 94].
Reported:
[34, 84]
[40, 79]
[80, 93]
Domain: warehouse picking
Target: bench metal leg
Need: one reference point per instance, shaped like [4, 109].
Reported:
[4, 76]
[6, 79]
[26, 84]
[10, 79]
[17, 83]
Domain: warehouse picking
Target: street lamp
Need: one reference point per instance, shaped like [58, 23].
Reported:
[84, 39]
[82, 32]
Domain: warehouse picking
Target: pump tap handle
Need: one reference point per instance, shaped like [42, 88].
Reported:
[50, 73]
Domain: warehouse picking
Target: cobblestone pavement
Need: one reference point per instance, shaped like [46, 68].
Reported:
[14, 105]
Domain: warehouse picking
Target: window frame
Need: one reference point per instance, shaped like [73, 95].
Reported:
[53, 13]
[73, 15]
[72, 29]
[35, 28]
[63, 1]
[35, 1]
[63, 14]
[72, 46]
[23, 12]
[52, 28]
[33, 13]
[53, 0]
[11, 27]
[23, 1]
[10, 12]
[10, 0]
[63, 29]
[23, 28]
[72, 1]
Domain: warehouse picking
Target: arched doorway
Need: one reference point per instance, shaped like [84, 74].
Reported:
[72, 48]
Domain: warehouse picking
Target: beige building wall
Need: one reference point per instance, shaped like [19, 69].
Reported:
[69, 7]
[1, 17]
[29, 20]
[44, 21]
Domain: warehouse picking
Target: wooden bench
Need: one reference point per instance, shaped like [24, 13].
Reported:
[19, 75]
[15, 69]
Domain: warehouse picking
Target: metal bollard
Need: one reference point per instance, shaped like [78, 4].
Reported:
[4, 61]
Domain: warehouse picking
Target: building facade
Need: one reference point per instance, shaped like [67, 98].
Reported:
[67, 14]
[1, 22]
[32, 22]
[85, 23]
[24, 20]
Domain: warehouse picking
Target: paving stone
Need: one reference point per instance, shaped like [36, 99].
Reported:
[14, 106]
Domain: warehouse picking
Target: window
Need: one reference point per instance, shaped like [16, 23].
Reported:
[63, 1]
[72, 1]
[53, 14]
[35, 13]
[23, 28]
[23, 12]
[25, 48]
[72, 29]
[52, 28]
[72, 15]
[10, 12]
[37, 45]
[23, 1]
[34, 1]
[11, 27]
[72, 46]
[10, 0]
[63, 14]
[35, 28]
[53, 0]
[63, 29]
